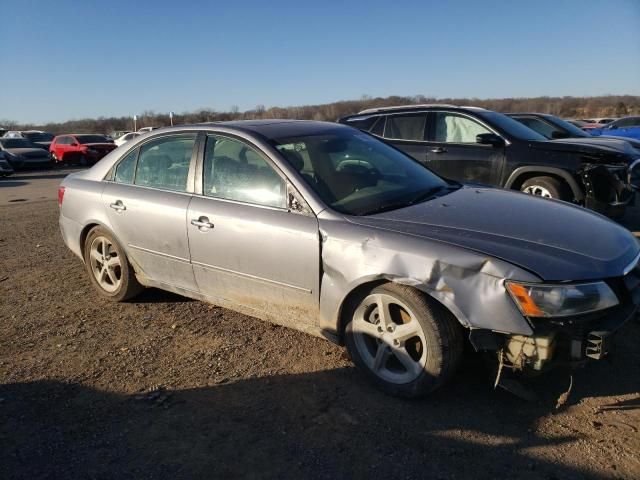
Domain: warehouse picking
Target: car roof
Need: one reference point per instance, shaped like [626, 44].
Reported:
[278, 128]
[411, 108]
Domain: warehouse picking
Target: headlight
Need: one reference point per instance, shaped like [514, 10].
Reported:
[542, 300]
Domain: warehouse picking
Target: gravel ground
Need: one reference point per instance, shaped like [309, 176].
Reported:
[166, 387]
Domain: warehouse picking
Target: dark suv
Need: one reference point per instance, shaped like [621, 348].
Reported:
[474, 145]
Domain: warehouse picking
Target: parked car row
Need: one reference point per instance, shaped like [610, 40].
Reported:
[342, 234]
[528, 152]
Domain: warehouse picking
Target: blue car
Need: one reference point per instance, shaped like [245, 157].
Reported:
[625, 127]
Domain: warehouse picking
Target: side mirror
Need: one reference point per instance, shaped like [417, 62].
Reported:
[556, 134]
[74, 144]
[489, 139]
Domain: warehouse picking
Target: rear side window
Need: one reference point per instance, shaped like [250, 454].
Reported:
[406, 127]
[362, 123]
[453, 128]
[378, 127]
[126, 168]
[235, 171]
[164, 163]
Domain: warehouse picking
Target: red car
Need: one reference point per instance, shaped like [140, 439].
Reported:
[82, 149]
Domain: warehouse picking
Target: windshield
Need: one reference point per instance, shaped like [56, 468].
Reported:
[84, 139]
[17, 143]
[356, 174]
[569, 127]
[511, 127]
[38, 137]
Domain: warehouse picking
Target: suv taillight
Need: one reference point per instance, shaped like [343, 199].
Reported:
[60, 195]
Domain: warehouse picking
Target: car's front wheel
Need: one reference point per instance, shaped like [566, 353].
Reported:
[405, 342]
[109, 270]
[547, 187]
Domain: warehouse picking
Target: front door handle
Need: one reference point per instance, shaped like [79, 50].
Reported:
[202, 223]
[438, 150]
[118, 206]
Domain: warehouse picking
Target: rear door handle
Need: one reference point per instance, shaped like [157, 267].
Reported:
[202, 223]
[438, 150]
[118, 205]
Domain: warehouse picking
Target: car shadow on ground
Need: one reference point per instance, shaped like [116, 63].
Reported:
[326, 424]
[12, 183]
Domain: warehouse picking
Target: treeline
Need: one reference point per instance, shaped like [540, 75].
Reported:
[566, 107]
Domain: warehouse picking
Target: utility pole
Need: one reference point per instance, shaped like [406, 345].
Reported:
[171, 118]
[135, 120]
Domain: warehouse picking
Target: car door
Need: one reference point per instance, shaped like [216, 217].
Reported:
[146, 201]
[247, 247]
[406, 131]
[452, 150]
[60, 146]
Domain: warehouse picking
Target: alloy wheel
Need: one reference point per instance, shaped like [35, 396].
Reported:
[105, 264]
[389, 338]
[538, 191]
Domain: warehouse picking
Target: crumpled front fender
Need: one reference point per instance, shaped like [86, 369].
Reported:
[468, 283]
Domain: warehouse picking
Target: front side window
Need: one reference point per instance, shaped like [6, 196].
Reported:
[235, 171]
[164, 163]
[453, 128]
[406, 127]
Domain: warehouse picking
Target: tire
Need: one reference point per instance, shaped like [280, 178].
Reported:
[117, 281]
[411, 350]
[547, 187]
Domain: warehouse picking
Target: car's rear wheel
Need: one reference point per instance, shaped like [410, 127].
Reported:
[406, 343]
[109, 270]
[546, 187]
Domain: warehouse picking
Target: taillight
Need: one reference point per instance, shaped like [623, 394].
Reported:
[60, 195]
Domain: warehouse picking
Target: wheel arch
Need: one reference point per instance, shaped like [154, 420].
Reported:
[360, 291]
[90, 226]
[522, 174]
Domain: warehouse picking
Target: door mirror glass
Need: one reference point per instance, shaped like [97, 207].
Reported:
[235, 171]
[489, 139]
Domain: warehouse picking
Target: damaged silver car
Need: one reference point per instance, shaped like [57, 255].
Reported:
[324, 228]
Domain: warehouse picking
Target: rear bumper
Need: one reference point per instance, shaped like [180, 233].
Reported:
[71, 232]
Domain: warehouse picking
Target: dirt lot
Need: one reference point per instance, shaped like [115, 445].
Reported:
[166, 387]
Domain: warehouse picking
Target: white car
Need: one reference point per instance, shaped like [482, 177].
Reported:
[122, 139]
[146, 129]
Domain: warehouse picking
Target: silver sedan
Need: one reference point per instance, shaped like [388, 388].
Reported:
[323, 228]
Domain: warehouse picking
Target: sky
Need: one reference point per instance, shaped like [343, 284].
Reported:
[65, 60]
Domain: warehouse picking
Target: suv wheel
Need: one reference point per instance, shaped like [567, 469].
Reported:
[547, 187]
[109, 270]
[406, 343]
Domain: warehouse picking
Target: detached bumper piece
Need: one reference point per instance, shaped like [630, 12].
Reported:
[607, 189]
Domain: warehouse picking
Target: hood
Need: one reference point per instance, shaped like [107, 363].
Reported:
[590, 146]
[555, 240]
[28, 152]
